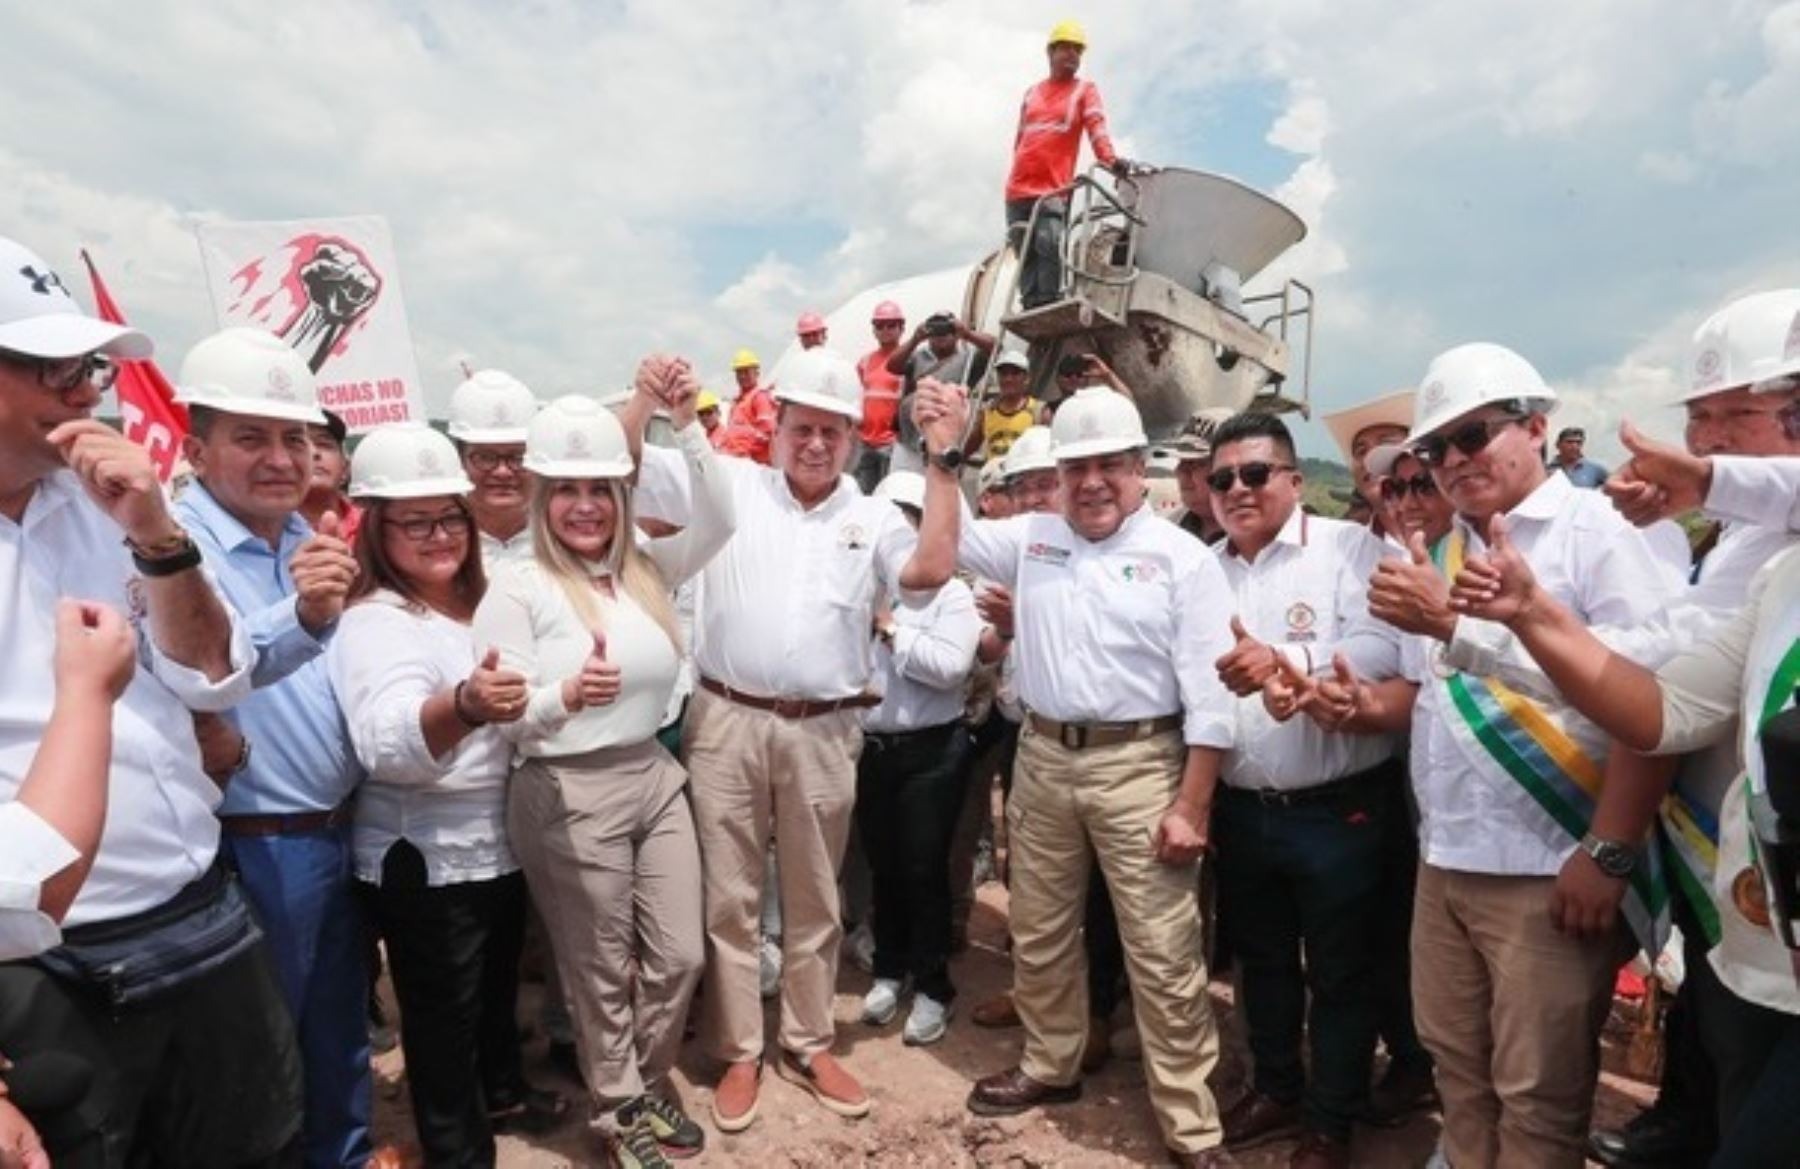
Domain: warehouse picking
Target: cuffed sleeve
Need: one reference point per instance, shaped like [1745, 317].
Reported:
[197, 691]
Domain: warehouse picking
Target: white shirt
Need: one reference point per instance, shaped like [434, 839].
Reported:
[923, 680]
[495, 551]
[31, 852]
[663, 492]
[385, 662]
[160, 830]
[785, 609]
[1604, 570]
[1755, 491]
[528, 617]
[1112, 630]
[1303, 595]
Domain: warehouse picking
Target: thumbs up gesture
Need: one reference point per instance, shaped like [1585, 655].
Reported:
[1411, 595]
[1659, 481]
[491, 694]
[597, 684]
[1337, 699]
[1497, 585]
[1247, 664]
[1287, 690]
[323, 569]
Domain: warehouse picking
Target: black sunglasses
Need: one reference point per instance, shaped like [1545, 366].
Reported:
[59, 375]
[1254, 475]
[1394, 489]
[1471, 439]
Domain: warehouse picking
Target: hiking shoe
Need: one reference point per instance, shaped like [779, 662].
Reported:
[633, 1144]
[768, 961]
[675, 1131]
[927, 1022]
[882, 1002]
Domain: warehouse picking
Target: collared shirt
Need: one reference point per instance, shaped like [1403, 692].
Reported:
[387, 660]
[1756, 491]
[1587, 557]
[924, 678]
[1052, 118]
[785, 609]
[1112, 630]
[1303, 595]
[31, 852]
[301, 760]
[495, 551]
[1584, 473]
[160, 831]
[880, 399]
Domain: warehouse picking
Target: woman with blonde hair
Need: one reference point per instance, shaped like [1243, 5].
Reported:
[598, 811]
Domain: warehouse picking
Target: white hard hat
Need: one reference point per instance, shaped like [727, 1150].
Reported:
[821, 379]
[906, 487]
[39, 318]
[992, 476]
[251, 372]
[1162, 461]
[1096, 421]
[491, 407]
[406, 460]
[1380, 460]
[1029, 452]
[1468, 377]
[1753, 339]
[576, 438]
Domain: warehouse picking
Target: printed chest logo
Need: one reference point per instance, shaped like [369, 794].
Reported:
[1300, 622]
[1140, 572]
[852, 538]
[1047, 554]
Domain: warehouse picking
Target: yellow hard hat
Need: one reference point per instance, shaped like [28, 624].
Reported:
[1068, 32]
[706, 401]
[744, 359]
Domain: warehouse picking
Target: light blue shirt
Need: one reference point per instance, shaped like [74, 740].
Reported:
[301, 759]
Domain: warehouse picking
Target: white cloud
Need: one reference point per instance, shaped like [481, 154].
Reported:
[1667, 166]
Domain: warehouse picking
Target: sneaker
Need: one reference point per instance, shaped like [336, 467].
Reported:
[927, 1021]
[632, 1144]
[883, 1002]
[861, 946]
[675, 1131]
[769, 967]
[734, 1100]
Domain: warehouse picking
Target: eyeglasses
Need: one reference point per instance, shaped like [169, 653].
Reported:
[483, 460]
[1471, 439]
[60, 375]
[453, 524]
[1395, 489]
[1254, 475]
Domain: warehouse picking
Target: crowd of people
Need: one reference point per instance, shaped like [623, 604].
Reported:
[714, 696]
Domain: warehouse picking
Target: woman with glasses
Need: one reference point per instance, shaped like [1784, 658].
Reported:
[1409, 498]
[423, 700]
[597, 808]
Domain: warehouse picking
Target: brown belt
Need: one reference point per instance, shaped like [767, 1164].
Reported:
[789, 707]
[1076, 736]
[283, 825]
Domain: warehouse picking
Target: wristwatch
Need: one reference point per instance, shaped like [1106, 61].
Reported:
[1615, 859]
[950, 460]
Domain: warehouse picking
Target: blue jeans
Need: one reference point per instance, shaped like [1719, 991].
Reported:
[299, 885]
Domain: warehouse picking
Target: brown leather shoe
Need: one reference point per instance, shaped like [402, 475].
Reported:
[1404, 1089]
[1257, 1119]
[734, 1100]
[1213, 1158]
[1012, 1091]
[1318, 1151]
[1098, 1048]
[827, 1081]
[998, 1011]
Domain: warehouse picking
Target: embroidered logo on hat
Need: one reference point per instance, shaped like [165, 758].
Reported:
[1432, 394]
[1706, 367]
[281, 386]
[42, 282]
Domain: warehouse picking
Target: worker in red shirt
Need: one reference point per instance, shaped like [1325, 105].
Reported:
[810, 329]
[751, 427]
[1052, 118]
[881, 395]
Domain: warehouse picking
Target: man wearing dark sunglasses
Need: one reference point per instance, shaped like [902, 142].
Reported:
[1509, 1005]
[1302, 815]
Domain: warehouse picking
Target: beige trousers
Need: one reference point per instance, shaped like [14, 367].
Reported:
[752, 773]
[1511, 1010]
[1112, 797]
[607, 844]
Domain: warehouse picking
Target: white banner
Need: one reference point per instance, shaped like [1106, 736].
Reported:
[331, 289]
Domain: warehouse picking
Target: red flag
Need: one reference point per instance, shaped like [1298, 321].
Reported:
[152, 417]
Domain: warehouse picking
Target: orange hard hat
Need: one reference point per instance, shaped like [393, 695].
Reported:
[887, 310]
[809, 323]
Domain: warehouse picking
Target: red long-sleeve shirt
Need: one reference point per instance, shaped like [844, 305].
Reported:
[1052, 118]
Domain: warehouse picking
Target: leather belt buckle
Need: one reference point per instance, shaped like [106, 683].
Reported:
[1072, 735]
[789, 708]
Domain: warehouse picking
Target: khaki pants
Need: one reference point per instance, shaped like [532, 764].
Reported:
[753, 771]
[1112, 797]
[1511, 1010]
[607, 844]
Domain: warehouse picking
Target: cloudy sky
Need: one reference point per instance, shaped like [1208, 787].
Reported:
[572, 184]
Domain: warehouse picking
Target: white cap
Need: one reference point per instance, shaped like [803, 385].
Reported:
[576, 438]
[406, 460]
[1390, 410]
[250, 372]
[1380, 460]
[821, 379]
[1460, 381]
[491, 407]
[39, 318]
[1012, 359]
[906, 487]
[1029, 452]
[1752, 340]
[1162, 461]
[1096, 421]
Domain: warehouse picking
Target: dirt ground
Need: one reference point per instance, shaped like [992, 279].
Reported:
[919, 1118]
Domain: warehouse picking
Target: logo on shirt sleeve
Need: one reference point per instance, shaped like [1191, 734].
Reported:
[1047, 554]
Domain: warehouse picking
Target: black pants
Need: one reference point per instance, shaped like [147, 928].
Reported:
[1040, 257]
[1105, 952]
[453, 951]
[1393, 929]
[1755, 1052]
[909, 791]
[1304, 883]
